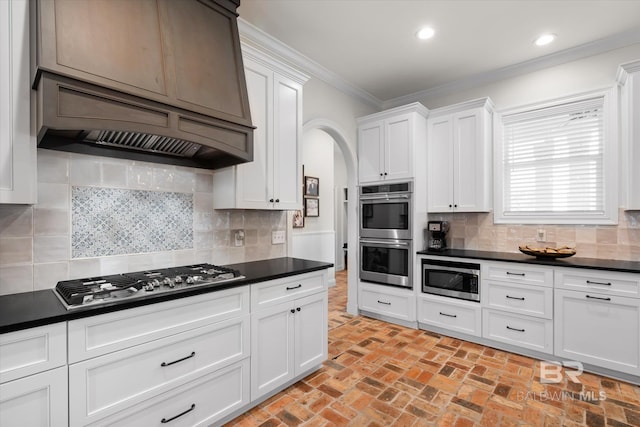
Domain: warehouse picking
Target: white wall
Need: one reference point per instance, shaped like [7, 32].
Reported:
[317, 239]
[340, 208]
[591, 73]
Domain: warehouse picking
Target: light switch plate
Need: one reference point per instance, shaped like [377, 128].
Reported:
[278, 237]
[238, 237]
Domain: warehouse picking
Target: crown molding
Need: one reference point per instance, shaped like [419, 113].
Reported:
[252, 35]
[573, 54]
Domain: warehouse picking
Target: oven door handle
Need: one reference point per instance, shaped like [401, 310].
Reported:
[386, 197]
[394, 244]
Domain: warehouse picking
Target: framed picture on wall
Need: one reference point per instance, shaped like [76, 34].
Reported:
[311, 186]
[298, 219]
[311, 207]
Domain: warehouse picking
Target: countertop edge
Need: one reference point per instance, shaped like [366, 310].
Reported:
[571, 262]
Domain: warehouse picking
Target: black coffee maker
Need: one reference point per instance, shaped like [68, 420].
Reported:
[437, 232]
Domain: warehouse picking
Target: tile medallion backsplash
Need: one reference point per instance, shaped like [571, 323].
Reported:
[115, 221]
[99, 216]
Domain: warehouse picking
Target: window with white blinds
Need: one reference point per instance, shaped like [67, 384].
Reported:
[554, 163]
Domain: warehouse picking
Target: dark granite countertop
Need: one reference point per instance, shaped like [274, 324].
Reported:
[574, 261]
[31, 309]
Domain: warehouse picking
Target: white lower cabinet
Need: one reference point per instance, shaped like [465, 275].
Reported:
[197, 403]
[104, 385]
[287, 340]
[387, 301]
[449, 313]
[599, 329]
[36, 400]
[522, 331]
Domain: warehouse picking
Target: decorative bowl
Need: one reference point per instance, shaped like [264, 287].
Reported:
[548, 252]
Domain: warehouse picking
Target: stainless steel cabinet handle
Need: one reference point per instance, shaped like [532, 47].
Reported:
[384, 302]
[193, 353]
[515, 274]
[167, 420]
[515, 329]
[448, 315]
[603, 299]
[520, 299]
[598, 283]
[290, 288]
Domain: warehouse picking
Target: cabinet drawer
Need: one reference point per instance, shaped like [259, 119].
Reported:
[37, 400]
[524, 299]
[198, 403]
[32, 350]
[609, 282]
[461, 316]
[522, 331]
[274, 292]
[518, 273]
[380, 300]
[102, 386]
[106, 333]
[598, 329]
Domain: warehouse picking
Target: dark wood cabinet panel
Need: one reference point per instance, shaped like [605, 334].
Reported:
[202, 31]
[185, 53]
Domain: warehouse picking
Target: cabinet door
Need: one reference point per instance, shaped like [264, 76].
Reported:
[598, 329]
[17, 144]
[398, 148]
[253, 182]
[469, 192]
[370, 152]
[286, 147]
[439, 161]
[272, 335]
[35, 401]
[310, 332]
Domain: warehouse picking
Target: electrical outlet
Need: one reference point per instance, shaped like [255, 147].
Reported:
[238, 237]
[278, 237]
[541, 235]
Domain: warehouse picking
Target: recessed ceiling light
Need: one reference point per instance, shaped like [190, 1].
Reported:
[425, 33]
[545, 39]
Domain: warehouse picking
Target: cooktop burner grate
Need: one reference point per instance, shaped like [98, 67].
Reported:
[107, 289]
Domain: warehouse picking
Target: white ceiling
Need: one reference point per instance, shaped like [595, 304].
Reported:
[371, 44]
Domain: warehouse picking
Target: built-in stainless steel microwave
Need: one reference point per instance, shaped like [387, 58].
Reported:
[385, 211]
[451, 279]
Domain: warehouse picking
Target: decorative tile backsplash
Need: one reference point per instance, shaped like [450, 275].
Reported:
[114, 221]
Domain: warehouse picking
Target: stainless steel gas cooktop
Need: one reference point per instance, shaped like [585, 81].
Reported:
[93, 291]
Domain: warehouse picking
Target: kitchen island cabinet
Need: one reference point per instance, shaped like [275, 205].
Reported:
[17, 140]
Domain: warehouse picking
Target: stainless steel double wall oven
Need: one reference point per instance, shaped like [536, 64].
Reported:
[386, 247]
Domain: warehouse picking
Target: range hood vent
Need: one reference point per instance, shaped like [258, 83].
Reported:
[144, 142]
[153, 80]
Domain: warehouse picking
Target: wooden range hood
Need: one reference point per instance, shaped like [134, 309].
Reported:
[150, 80]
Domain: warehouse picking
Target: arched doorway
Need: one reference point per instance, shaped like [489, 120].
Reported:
[351, 161]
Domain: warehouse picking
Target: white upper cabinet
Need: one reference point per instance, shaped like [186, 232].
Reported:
[273, 179]
[17, 141]
[459, 157]
[386, 143]
[629, 79]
